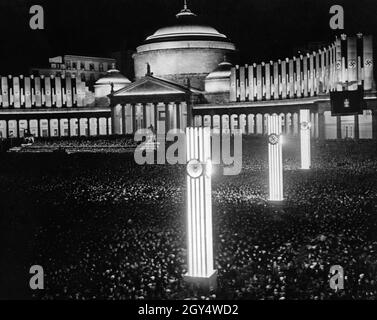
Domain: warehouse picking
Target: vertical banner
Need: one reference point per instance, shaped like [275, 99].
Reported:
[242, 84]
[27, 92]
[238, 89]
[16, 92]
[338, 66]
[360, 55]
[305, 127]
[291, 79]
[199, 208]
[233, 81]
[58, 92]
[305, 75]
[48, 92]
[268, 80]
[251, 83]
[259, 82]
[368, 62]
[68, 90]
[5, 92]
[276, 80]
[298, 77]
[284, 79]
[80, 87]
[352, 63]
[311, 75]
[38, 92]
[275, 158]
[322, 88]
[317, 72]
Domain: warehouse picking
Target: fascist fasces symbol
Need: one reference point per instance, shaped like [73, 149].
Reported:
[273, 138]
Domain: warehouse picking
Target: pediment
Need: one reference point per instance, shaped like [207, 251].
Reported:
[151, 86]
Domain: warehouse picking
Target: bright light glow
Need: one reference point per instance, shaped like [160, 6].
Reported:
[199, 205]
[275, 158]
[305, 139]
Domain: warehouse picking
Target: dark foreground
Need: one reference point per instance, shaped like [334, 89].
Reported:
[105, 228]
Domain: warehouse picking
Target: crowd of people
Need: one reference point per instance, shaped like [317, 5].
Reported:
[106, 228]
[81, 144]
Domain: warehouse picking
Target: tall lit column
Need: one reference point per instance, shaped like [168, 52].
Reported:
[305, 127]
[199, 209]
[275, 158]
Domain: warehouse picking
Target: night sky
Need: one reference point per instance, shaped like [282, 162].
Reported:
[263, 30]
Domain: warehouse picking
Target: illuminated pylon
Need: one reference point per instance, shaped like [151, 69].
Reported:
[275, 158]
[305, 139]
[199, 209]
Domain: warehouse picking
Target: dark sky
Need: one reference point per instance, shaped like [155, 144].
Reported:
[262, 29]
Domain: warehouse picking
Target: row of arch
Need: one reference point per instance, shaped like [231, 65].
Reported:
[255, 124]
[60, 127]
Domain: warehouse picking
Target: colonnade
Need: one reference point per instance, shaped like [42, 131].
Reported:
[128, 118]
[56, 127]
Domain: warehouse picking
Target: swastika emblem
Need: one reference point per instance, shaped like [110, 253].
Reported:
[368, 63]
[273, 138]
[352, 64]
[194, 168]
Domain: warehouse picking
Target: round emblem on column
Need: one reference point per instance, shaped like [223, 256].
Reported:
[273, 138]
[195, 168]
[305, 125]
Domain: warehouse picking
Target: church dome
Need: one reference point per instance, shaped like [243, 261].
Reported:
[113, 80]
[188, 49]
[219, 79]
[222, 71]
[113, 76]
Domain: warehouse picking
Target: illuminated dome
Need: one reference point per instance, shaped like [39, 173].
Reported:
[113, 80]
[113, 76]
[219, 79]
[186, 50]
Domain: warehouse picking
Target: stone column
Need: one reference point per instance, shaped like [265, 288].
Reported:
[357, 129]
[339, 127]
[144, 116]
[39, 127]
[155, 110]
[6, 129]
[17, 128]
[134, 126]
[374, 124]
[321, 125]
[167, 118]
[88, 126]
[69, 127]
[78, 127]
[178, 114]
[124, 129]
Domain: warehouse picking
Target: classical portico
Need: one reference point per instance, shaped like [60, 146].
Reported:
[151, 103]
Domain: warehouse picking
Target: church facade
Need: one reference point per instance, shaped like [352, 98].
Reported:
[184, 77]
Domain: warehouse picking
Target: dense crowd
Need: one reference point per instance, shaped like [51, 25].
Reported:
[81, 144]
[104, 227]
